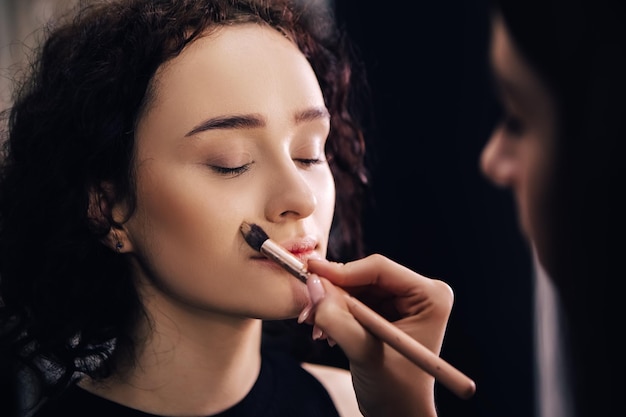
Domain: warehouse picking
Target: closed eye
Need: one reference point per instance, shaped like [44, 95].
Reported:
[310, 162]
[230, 171]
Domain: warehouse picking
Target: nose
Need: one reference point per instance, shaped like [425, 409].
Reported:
[497, 161]
[290, 195]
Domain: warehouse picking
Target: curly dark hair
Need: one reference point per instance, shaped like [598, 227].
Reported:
[67, 301]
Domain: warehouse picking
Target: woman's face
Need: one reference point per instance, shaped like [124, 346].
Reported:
[236, 133]
[519, 152]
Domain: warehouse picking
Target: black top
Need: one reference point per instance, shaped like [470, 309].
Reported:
[283, 389]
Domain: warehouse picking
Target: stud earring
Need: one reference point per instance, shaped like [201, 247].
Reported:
[118, 246]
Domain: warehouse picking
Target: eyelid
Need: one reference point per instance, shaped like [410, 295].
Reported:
[310, 151]
[230, 171]
[309, 162]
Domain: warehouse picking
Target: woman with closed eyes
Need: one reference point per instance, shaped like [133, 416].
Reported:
[146, 134]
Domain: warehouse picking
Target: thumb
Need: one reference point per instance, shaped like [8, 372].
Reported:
[333, 317]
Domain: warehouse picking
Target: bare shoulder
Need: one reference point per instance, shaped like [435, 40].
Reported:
[338, 383]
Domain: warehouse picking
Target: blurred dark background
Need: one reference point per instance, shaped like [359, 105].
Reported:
[433, 210]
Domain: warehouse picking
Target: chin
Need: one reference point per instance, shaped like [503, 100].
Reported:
[525, 226]
[286, 306]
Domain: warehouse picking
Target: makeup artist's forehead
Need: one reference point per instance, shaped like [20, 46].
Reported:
[513, 75]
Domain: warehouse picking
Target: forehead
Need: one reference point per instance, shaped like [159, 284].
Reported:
[506, 62]
[235, 58]
[246, 68]
[514, 77]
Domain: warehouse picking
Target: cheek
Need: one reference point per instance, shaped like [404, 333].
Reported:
[187, 239]
[182, 223]
[324, 188]
[175, 208]
[537, 171]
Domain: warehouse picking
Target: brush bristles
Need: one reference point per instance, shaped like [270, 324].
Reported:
[253, 234]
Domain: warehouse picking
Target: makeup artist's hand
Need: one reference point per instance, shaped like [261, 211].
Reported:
[386, 383]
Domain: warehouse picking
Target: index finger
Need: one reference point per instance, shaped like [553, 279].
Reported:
[374, 270]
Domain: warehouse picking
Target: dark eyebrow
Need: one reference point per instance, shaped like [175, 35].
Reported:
[312, 114]
[244, 121]
[251, 121]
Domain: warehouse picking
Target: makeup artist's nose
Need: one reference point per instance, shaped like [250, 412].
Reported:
[290, 195]
[497, 161]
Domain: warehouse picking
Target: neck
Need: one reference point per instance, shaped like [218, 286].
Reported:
[189, 361]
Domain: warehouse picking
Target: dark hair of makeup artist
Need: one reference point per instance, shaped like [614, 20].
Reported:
[68, 304]
[578, 51]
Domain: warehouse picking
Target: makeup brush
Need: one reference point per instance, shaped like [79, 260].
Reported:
[446, 374]
[260, 241]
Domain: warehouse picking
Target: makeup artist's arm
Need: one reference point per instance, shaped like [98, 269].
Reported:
[385, 382]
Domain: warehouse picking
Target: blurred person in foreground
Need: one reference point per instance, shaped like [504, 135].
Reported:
[559, 70]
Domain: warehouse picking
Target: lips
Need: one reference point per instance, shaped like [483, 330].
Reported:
[300, 245]
[301, 248]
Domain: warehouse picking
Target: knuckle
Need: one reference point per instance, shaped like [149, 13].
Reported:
[444, 293]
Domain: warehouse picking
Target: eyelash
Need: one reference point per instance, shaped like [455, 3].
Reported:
[236, 171]
[310, 162]
[230, 172]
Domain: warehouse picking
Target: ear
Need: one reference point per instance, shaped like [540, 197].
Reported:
[107, 216]
[117, 240]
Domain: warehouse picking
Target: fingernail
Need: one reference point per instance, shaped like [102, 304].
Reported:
[317, 333]
[305, 313]
[316, 290]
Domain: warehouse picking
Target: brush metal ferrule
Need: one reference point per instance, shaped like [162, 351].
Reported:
[285, 259]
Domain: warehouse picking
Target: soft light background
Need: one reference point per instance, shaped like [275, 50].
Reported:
[20, 23]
